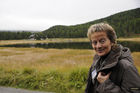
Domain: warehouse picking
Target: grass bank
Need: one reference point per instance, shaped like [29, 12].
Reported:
[58, 70]
[50, 40]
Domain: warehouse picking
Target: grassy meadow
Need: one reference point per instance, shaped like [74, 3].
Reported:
[45, 69]
[55, 70]
[44, 59]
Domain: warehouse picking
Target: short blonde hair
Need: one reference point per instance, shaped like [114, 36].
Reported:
[103, 27]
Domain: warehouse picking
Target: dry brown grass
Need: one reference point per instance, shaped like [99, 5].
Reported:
[136, 56]
[49, 59]
[44, 59]
[52, 40]
[137, 39]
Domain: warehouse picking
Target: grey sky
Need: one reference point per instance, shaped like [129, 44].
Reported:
[42, 14]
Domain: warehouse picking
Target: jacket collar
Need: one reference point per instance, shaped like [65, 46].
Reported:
[111, 60]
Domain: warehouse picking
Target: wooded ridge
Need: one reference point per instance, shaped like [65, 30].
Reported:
[125, 23]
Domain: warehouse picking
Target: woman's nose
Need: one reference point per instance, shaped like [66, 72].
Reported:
[98, 45]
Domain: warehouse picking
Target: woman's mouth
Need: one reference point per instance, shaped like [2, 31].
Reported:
[100, 50]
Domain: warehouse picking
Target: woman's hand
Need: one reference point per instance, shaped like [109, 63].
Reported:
[102, 77]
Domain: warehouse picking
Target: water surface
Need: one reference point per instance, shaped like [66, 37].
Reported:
[134, 46]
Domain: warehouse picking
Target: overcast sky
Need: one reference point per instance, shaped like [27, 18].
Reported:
[39, 15]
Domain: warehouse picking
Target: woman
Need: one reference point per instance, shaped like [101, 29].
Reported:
[113, 70]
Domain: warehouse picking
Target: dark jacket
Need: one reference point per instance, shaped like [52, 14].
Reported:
[124, 76]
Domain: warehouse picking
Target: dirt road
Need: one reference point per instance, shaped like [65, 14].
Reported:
[15, 90]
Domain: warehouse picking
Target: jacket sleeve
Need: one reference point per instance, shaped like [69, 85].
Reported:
[130, 82]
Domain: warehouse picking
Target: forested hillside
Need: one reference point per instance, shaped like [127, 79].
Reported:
[7, 35]
[125, 23]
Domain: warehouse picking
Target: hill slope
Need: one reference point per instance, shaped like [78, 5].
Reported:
[125, 23]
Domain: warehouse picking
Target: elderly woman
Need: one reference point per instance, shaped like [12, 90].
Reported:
[113, 70]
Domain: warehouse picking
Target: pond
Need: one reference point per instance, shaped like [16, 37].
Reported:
[134, 46]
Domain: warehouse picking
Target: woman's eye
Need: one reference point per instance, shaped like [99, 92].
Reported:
[102, 41]
[94, 42]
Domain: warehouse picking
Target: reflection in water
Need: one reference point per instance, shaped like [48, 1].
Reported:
[134, 46]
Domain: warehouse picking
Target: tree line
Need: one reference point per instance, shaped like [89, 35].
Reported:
[8, 35]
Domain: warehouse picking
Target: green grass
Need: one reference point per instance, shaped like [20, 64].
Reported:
[45, 81]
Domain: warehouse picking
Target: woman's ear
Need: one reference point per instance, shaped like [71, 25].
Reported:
[112, 45]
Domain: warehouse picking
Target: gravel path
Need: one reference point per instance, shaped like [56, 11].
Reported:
[15, 90]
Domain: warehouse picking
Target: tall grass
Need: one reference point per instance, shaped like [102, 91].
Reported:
[45, 69]
[55, 70]
[53, 81]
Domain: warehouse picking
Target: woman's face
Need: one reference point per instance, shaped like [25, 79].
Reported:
[101, 43]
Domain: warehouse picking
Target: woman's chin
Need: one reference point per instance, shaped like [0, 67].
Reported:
[100, 54]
